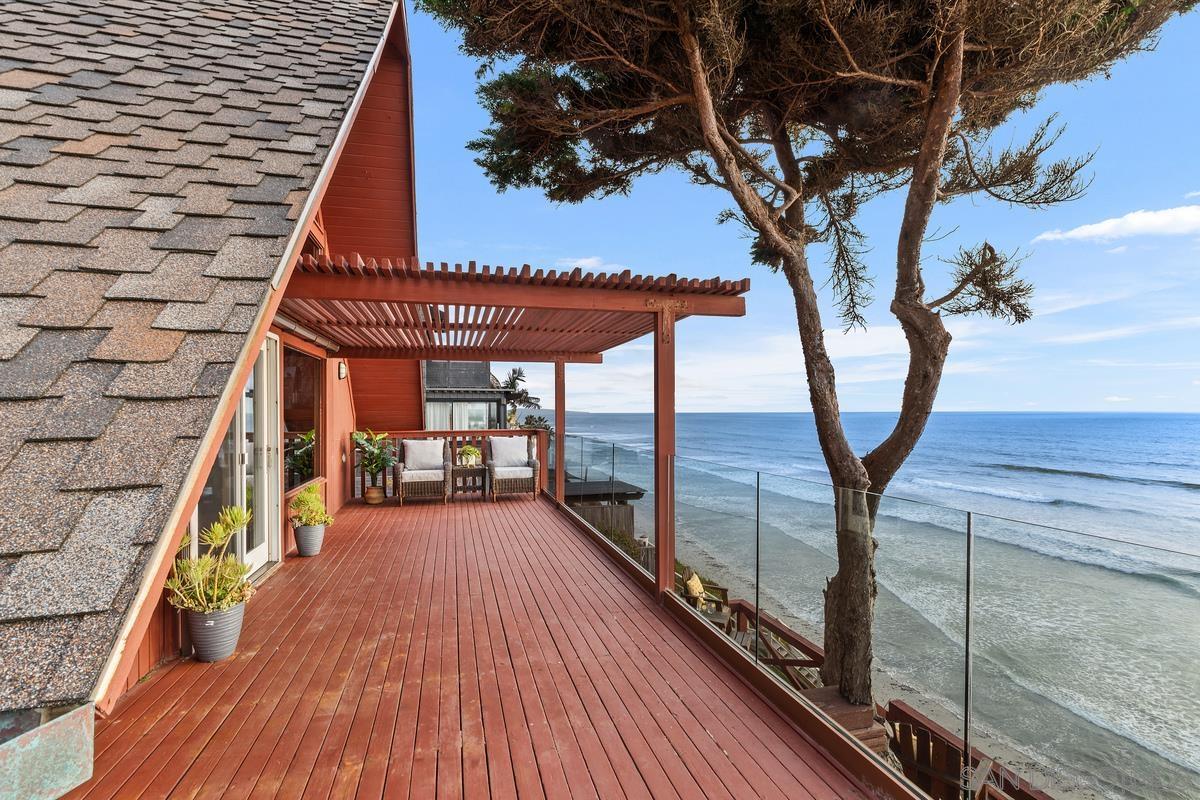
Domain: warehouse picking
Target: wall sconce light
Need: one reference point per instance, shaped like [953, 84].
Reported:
[341, 370]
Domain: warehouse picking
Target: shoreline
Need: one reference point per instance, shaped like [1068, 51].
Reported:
[888, 687]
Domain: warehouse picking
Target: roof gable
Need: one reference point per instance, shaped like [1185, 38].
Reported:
[154, 159]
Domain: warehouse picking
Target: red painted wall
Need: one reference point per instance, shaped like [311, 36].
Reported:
[340, 422]
[387, 394]
[368, 207]
[161, 642]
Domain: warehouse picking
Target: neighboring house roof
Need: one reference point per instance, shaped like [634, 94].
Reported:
[154, 158]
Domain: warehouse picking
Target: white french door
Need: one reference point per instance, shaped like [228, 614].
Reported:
[247, 470]
[260, 436]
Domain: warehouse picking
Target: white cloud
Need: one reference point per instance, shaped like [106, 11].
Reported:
[1116, 251]
[1117, 363]
[1191, 195]
[764, 372]
[589, 264]
[1057, 302]
[1116, 398]
[1179, 221]
[1126, 331]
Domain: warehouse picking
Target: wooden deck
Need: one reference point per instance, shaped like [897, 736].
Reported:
[470, 650]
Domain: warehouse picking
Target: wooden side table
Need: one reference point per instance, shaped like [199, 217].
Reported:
[468, 480]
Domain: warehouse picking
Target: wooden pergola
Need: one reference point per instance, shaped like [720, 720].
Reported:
[402, 309]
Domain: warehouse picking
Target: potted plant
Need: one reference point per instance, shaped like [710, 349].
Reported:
[309, 519]
[298, 457]
[212, 589]
[469, 455]
[377, 455]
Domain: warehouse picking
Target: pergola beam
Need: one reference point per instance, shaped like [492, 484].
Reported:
[403, 289]
[470, 354]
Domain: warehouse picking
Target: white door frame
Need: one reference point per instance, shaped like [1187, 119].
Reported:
[264, 461]
[268, 477]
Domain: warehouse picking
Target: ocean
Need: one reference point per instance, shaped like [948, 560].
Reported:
[1086, 603]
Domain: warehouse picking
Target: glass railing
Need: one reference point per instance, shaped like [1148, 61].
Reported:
[612, 488]
[1068, 664]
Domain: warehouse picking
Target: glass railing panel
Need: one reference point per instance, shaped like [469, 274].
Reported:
[596, 461]
[1085, 662]
[920, 637]
[716, 555]
[631, 499]
[797, 552]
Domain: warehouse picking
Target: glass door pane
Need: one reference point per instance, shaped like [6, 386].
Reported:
[257, 438]
[224, 482]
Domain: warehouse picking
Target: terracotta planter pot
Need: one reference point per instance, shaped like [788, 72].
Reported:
[215, 634]
[309, 539]
[373, 495]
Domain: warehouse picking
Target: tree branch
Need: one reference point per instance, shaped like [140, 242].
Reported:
[957, 290]
[923, 188]
[858, 72]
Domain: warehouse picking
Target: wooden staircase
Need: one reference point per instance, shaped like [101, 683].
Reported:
[858, 720]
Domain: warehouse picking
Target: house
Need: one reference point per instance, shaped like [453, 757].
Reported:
[208, 281]
[463, 395]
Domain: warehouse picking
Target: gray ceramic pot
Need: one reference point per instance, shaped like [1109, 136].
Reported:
[309, 538]
[215, 634]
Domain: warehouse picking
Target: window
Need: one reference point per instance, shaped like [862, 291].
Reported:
[301, 416]
[460, 416]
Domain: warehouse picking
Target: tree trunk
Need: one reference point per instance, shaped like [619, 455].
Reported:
[850, 599]
[850, 593]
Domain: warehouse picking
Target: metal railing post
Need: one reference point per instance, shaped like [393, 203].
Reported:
[612, 486]
[967, 778]
[757, 558]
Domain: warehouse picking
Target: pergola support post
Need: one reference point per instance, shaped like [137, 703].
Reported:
[560, 426]
[664, 449]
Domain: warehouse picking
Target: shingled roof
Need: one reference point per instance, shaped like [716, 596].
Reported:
[154, 158]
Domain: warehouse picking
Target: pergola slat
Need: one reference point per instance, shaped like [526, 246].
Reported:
[407, 309]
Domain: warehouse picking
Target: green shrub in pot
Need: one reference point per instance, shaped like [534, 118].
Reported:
[212, 588]
[378, 455]
[309, 518]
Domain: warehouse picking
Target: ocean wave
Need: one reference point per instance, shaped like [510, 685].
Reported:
[1007, 494]
[1012, 494]
[1098, 476]
[1111, 720]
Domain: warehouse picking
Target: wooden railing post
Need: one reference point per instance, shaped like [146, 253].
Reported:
[664, 448]
[543, 453]
[560, 426]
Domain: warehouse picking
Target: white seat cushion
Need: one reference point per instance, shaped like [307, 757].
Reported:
[514, 472]
[510, 451]
[412, 475]
[424, 453]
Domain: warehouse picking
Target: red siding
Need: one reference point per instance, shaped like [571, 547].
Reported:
[160, 643]
[368, 207]
[340, 421]
[387, 394]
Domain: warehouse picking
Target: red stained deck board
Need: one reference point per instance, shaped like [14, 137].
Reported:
[472, 650]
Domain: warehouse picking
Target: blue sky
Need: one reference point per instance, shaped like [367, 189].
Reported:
[1117, 309]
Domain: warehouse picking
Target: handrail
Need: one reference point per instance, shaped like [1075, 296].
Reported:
[1002, 781]
[767, 622]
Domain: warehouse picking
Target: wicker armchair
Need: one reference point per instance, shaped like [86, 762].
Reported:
[418, 475]
[512, 466]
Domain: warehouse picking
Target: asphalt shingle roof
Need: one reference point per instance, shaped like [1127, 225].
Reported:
[154, 155]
